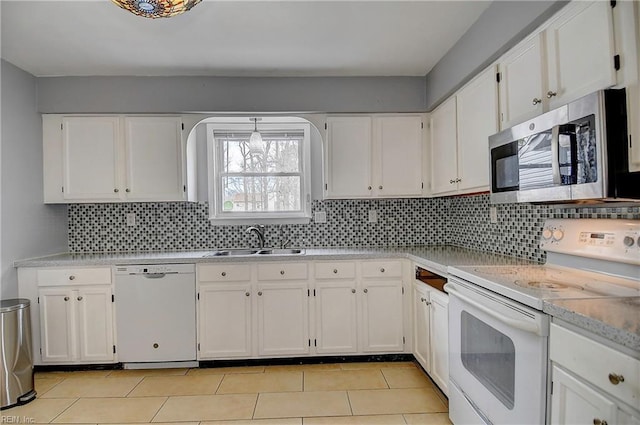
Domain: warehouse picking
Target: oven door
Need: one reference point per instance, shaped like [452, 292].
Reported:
[497, 358]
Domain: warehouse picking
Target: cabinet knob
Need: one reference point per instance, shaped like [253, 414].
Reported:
[282, 272]
[155, 345]
[223, 274]
[366, 290]
[452, 181]
[127, 190]
[80, 298]
[422, 299]
[597, 421]
[353, 291]
[380, 187]
[550, 94]
[259, 293]
[368, 187]
[72, 277]
[381, 269]
[66, 298]
[335, 271]
[246, 294]
[536, 101]
[458, 180]
[116, 190]
[615, 379]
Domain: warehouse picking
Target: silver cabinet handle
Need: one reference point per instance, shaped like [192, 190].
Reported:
[366, 290]
[259, 293]
[335, 271]
[80, 298]
[282, 272]
[536, 101]
[550, 94]
[597, 421]
[66, 298]
[223, 274]
[422, 299]
[458, 180]
[452, 181]
[116, 190]
[246, 294]
[353, 291]
[615, 379]
[72, 277]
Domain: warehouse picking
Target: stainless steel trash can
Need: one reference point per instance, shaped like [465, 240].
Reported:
[16, 361]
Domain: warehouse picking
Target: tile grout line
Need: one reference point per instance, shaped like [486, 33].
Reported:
[349, 401]
[134, 387]
[255, 407]
[385, 379]
[159, 409]
[64, 410]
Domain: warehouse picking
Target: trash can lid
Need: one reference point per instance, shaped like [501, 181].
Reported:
[13, 304]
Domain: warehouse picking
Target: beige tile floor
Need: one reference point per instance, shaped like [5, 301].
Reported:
[323, 394]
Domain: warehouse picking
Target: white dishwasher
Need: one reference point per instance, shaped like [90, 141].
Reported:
[155, 314]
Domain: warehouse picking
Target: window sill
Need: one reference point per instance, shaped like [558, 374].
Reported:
[255, 220]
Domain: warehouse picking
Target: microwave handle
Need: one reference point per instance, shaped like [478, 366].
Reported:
[555, 154]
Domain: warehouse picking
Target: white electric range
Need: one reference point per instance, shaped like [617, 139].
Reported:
[498, 332]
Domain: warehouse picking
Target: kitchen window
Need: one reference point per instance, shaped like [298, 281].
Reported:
[265, 182]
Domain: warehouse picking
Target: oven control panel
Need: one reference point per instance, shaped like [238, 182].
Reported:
[607, 239]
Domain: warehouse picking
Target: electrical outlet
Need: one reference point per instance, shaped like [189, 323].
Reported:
[320, 217]
[373, 216]
[131, 219]
[493, 215]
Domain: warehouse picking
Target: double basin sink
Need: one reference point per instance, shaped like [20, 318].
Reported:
[250, 252]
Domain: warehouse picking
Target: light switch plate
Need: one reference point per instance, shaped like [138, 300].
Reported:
[373, 216]
[131, 219]
[493, 215]
[320, 217]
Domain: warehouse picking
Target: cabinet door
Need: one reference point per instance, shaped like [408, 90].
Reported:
[440, 340]
[283, 319]
[224, 312]
[574, 402]
[348, 157]
[90, 158]
[477, 119]
[382, 325]
[398, 156]
[421, 329]
[521, 87]
[580, 50]
[95, 324]
[57, 325]
[444, 168]
[336, 318]
[153, 147]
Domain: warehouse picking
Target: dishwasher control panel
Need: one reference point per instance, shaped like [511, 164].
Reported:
[155, 269]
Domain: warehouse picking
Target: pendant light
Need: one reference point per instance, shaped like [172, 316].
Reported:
[156, 8]
[255, 141]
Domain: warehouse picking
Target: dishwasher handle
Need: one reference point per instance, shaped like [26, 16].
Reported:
[154, 275]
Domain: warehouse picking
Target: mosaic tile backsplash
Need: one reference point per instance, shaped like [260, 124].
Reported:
[462, 221]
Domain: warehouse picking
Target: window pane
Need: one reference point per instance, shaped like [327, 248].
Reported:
[261, 194]
[276, 153]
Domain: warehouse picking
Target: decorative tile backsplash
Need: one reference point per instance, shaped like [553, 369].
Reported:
[462, 221]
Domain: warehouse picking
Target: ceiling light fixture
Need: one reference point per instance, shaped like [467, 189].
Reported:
[255, 141]
[156, 8]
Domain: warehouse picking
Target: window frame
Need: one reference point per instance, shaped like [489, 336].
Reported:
[214, 149]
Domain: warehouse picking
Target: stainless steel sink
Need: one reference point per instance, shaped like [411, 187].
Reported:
[248, 252]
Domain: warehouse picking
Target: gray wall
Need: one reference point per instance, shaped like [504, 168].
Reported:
[229, 94]
[29, 228]
[499, 28]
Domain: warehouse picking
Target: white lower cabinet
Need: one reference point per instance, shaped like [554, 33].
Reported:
[336, 320]
[591, 383]
[76, 324]
[431, 333]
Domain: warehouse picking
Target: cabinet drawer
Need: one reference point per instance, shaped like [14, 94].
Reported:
[382, 269]
[594, 362]
[224, 273]
[280, 271]
[80, 276]
[337, 270]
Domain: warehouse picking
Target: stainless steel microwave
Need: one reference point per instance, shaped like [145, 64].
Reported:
[578, 152]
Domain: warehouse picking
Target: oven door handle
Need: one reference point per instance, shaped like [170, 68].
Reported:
[555, 155]
[518, 324]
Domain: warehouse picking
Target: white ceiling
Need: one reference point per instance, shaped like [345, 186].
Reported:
[235, 38]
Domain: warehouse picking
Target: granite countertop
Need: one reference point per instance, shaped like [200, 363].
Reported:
[616, 319]
[437, 257]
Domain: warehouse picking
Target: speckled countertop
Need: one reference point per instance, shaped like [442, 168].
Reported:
[616, 319]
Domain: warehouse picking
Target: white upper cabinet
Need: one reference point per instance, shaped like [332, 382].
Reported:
[570, 56]
[112, 159]
[374, 156]
[154, 158]
[460, 130]
[90, 158]
[348, 157]
[580, 51]
[522, 94]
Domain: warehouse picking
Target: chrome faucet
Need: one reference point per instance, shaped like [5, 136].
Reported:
[259, 231]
